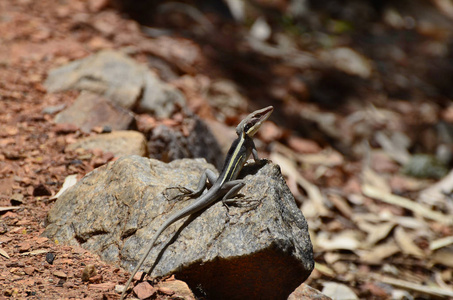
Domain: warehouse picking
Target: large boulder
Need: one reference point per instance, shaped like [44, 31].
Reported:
[258, 250]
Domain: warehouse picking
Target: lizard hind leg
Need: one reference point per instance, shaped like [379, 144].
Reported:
[207, 179]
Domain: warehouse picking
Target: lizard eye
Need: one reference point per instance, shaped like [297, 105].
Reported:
[247, 127]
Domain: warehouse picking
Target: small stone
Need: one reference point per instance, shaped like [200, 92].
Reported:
[29, 270]
[102, 286]
[119, 288]
[68, 285]
[50, 257]
[144, 290]
[166, 290]
[41, 190]
[138, 275]
[64, 128]
[96, 279]
[88, 272]
[50, 110]
[24, 247]
[178, 287]
[60, 274]
[17, 199]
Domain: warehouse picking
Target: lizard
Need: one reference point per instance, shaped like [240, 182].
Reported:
[225, 186]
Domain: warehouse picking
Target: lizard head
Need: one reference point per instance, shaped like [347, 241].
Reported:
[253, 122]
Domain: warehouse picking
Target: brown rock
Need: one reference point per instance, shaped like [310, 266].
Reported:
[305, 292]
[102, 286]
[91, 110]
[120, 143]
[24, 247]
[29, 270]
[178, 287]
[64, 128]
[60, 274]
[144, 290]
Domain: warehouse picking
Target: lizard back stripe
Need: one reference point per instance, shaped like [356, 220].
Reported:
[234, 160]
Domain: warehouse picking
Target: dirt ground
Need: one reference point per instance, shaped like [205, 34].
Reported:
[36, 36]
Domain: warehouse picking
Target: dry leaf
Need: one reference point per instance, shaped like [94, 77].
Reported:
[3, 253]
[6, 208]
[379, 253]
[440, 243]
[338, 291]
[288, 169]
[328, 158]
[405, 242]
[436, 193]
[35, 252]
[345, 240]
[341, 204]
[323, 269]
[395, 147]
[413, 206]
[68, 182]
[443, 256]
[376, 232]
[427, 290]
[374, 179]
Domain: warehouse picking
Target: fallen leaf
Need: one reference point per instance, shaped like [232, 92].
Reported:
[345, 240]
[437, 193]
[6, 208]
[440, 243]
[68, 182]
[338, 291]
[289, 169]
[375, 232]
[427, 290]
[341, 204]
[35, 252]
[374, 179]
[3, 253]
[413, 206]
[323, 269]
[396, 146]
[405, 242]
[379, 253]
[443, 256]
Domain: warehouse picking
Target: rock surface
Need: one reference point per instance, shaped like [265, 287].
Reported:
[114, 87]
[236, 253]
[91, 110]
[120, 143]
[306, 292]
[120, 79]
[167, 143]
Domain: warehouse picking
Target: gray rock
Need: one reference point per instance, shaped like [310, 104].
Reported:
[236, 253]
[121, 80]
[159, 99]
[108, 73]
[120, 143]
[167, 143]
[91, 110]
